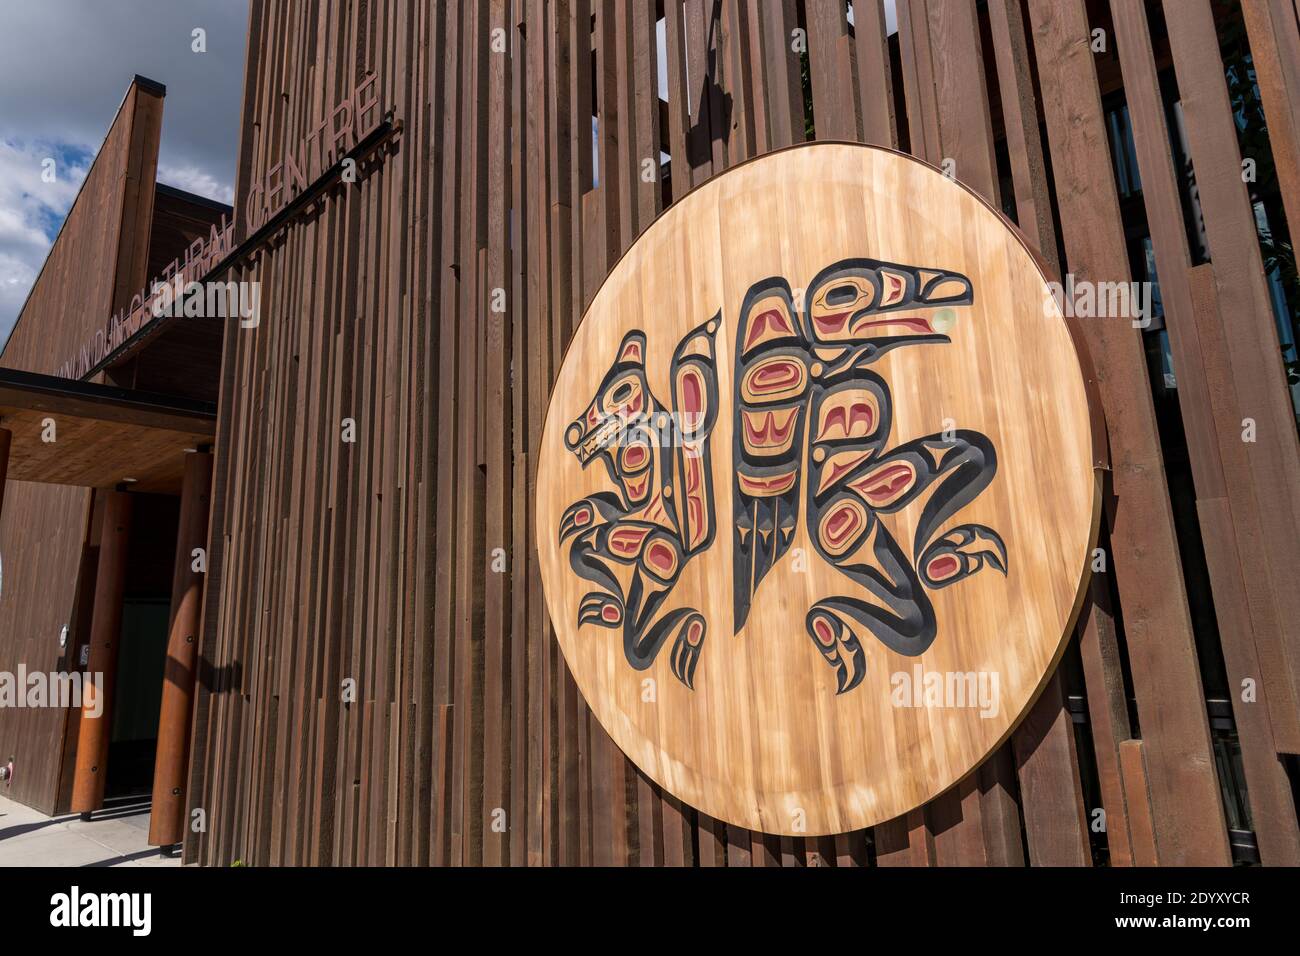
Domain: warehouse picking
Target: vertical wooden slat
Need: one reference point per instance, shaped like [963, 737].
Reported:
[905, 841]
[918, 80]
[1219, 460]
[449, 533]
[951, 30]
[1052, 800]
[1051, 793]
[1020, 120]
[697, 30]
[965, 128]
[497, 820]
[679, 109]
[1268, 788]
[781, 62]
[1132, 759]
[956, 821]
[1108, 715]
[1252, 347]
[952, 826]
[1183, 787]
[835, 109]
[736, 88]
[534, 750]
[875, 79]
[1275, 54]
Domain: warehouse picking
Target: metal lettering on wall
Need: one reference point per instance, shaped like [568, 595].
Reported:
[353, 120]
[803, 492]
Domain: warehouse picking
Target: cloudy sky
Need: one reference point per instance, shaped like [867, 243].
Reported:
[64, 67]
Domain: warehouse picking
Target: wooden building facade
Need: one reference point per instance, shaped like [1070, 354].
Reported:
[377, 678]
[70, 447]
[427, 307]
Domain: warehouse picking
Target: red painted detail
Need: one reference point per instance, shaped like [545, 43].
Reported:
[831, 324]
[637, 488]
[823, 631]
[775, 376]
[692, 392]
[694, 633]
[661, 559]
[761, 487]
[635, 456]
[693, 473]
[844, 521]
[886, 484]
[944, 566]
[770, 433]
[626, 542]
[837, 471]
[848, 417]
[895, 284]
[911, 323]
[759, 325]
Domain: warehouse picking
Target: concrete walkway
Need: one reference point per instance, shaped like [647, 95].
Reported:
[118, 835]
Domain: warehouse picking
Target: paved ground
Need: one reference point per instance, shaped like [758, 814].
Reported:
[118, 835]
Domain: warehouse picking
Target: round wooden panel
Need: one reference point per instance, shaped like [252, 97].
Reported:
[816, 493]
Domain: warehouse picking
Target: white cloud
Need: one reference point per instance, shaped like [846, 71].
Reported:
[30, 213]
[195, 180]
[64, 67]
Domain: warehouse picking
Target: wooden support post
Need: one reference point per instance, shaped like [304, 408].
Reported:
[101, 664]
[167, 821]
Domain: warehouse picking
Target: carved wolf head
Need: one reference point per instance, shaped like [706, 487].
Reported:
[622, 405]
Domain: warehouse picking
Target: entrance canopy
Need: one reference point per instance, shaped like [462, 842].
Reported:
[68, 432]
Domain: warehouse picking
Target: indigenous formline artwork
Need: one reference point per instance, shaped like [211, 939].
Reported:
[812, 377]
[662, 513]
[811, 425]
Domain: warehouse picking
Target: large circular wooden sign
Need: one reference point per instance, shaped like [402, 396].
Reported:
[816, 492]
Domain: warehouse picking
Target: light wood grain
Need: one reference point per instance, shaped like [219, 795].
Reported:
[763, 740]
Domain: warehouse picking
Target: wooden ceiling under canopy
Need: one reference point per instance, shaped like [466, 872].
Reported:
[103, 436]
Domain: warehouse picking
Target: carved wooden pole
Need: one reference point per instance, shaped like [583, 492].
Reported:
[167, 821]
[101, 664]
